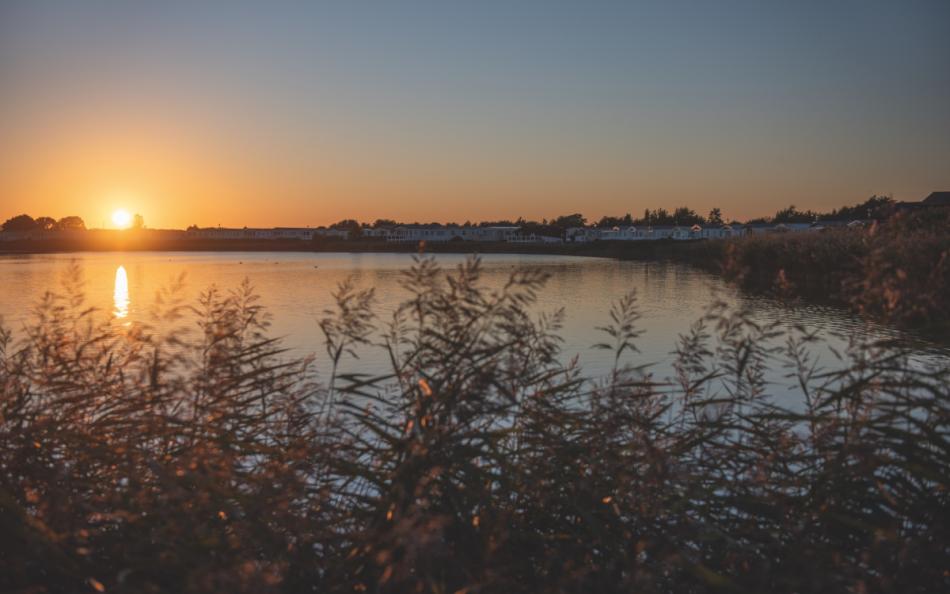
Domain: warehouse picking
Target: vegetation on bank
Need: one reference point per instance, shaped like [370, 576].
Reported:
[874, 207]
[897, 271]
[25, 222]
[200, 457]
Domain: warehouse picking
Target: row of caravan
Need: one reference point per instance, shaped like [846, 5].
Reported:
[646, 233]
[443, 233]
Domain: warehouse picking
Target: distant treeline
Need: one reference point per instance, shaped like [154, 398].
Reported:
[873, 207]
[25, 222]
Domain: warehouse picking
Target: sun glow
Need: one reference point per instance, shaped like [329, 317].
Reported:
[122, 219]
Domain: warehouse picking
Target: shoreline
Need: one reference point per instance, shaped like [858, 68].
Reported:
[622, 250]
[709, 255]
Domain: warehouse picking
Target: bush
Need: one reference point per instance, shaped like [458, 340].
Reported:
[209, 460]
[905, 273]
[897, 271]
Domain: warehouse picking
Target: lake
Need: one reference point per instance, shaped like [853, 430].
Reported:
[296, 287]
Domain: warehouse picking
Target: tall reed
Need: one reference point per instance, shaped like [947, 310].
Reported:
[897, 270]
[182, 456]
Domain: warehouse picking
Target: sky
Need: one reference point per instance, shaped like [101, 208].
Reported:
[304, 113]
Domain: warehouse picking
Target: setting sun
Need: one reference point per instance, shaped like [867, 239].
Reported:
[122, 219]
[445, 296]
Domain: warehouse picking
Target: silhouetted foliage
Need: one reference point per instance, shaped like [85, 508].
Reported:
[71, 223]
[174, 457]
[21, 222]
[897, 270]
[351, 226]
[25, 222]
[682, 216]
[45, 223]
[608, 222]
[793, 215]
[568, 221]
[498, 223]
[875, 207]
[905, 271]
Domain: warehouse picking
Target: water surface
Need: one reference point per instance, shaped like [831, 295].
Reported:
[296, 287]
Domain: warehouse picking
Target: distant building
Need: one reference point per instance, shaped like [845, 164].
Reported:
[934, 200]
[438, 233]
[586, 234]
[377, 232]
[292, 233]
[533, 238]
[497, 233]
[417, 233]
[937, 199]
[247, 233]
[630, 233]
[580, 234]
[720, 231]
[798, 227]
[327, 232]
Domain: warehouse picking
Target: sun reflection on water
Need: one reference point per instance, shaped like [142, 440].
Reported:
[121, 293]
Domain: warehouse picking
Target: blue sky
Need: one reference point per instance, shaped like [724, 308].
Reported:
[307, 112]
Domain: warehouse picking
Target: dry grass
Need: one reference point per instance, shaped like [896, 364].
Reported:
[208, 460]
[897, 271]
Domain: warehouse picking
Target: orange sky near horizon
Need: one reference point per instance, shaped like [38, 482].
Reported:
[177, 168]
[171, 194]
[176, 177]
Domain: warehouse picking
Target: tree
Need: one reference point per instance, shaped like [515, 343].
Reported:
[21, 222]
[686, 216]
[715, 216]
[793, 215]
[352, 226]
[71, 223]
[45, 223]
[138, 221]
[571, 220]
[655, 217]
[607, 222]
[874, 207]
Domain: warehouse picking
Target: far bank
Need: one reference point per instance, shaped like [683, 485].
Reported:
[120, 241]
[897, 272]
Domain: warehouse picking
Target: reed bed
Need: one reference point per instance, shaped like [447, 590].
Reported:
[896, 270]
[206, 458]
